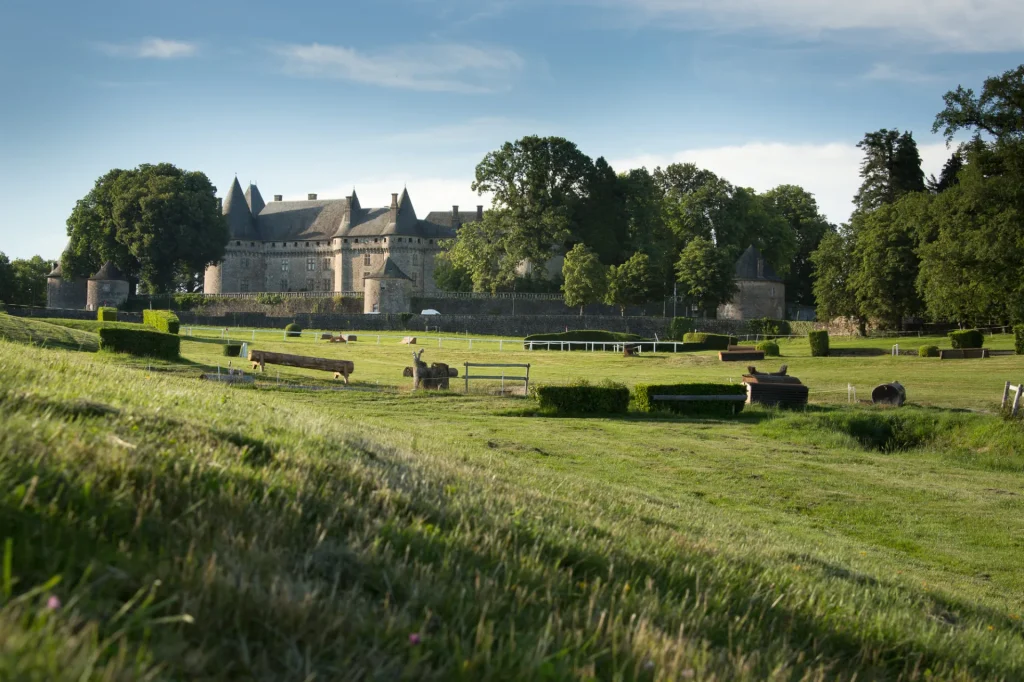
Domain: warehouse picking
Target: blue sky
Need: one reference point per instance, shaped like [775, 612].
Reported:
[323, 96]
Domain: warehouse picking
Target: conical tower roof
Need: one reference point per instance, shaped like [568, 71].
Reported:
[57, 271]
[109, 272]
[747, 267]
[388, 271]
[254, 200]
[236, 208]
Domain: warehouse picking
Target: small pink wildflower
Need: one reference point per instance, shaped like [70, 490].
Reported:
[414, 639]
[53, 603]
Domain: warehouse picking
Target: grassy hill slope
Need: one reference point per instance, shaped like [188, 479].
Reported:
[203, 532]
[26, 330]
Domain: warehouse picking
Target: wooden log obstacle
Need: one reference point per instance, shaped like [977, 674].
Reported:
[341, 368]
[774, 388]
[963, 354]
[408, 341]
[742, 349]
[740, 355]
[340, 338]
[436, 377]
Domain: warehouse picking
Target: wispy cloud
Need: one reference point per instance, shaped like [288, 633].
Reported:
[430, 68]
[150, 48]
[888, 72]
[941, 25]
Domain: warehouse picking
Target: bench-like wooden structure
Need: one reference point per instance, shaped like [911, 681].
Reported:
[341, 368]
[963, 354]
[775, 388]
[740, 355]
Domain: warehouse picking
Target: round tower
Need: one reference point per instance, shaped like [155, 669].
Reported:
[108, 287]
[387, 291]
[64, 293]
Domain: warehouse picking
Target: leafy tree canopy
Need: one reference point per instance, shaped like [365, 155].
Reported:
[799, 209]
[585, 278]
[23, 281]
[706, 274]
[629, 283]
[157, 223]
[891, 168]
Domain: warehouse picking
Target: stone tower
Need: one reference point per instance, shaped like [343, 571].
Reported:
[387, 290]
[66, 293]
[108, 287]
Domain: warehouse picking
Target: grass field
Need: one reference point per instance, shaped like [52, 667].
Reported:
[207, 532]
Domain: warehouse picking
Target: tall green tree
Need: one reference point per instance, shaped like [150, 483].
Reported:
[706, 274]
[586, 279]
[645, 228]
[998, 112]
[834, 269]
[948, 177]
[891, 168]
[629, 283]
[29, 281]
[799, 208]
[448, 277]
[601, 223]
[154, 222]
[6, 279]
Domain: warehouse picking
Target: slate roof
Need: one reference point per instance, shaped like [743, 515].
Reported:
[250, 218]
[746, 266]
[109, 272]
[388, 271]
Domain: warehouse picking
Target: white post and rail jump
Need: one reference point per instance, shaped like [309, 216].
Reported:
[1017, 391]
[525, 379]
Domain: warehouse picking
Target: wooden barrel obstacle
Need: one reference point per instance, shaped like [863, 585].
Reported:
[889, 394]
[341, 368]
[775, 388]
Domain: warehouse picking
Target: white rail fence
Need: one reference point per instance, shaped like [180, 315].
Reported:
[1017, 391]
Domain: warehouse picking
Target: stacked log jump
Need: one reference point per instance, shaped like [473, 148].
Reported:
[341, 368]
[436, 377]
[740, 355]
[341, 338]
[775, 388]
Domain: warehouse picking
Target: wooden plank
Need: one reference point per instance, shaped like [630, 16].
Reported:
[702, 398]
[740, 356]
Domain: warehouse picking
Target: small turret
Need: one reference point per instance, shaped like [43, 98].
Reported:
[236, 207]
[254, 200]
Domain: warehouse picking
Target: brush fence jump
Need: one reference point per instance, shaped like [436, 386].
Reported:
[341, 368]
[503, 377]
[1017, 391]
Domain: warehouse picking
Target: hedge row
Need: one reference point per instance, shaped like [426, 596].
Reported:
[680, 327]
[141, 342]
[583, 398]
[644, 397]
[966, 338]
[710, 341]
[819, 343]
[928, 352]
[769, 327]
[162, 320]
[106, 314]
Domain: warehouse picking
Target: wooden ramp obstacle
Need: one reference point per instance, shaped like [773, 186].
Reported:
[775, 388]
[341, 368]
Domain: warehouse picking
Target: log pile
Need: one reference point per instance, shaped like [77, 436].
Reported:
[341, 368]
[740, 355]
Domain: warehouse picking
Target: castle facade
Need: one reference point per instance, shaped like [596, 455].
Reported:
[331, 245]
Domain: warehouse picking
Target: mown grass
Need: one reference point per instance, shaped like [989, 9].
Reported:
[23, 330]
[205, 532]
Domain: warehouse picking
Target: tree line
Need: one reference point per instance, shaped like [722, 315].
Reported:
[23, 280]
[945, 249]
[626, 237]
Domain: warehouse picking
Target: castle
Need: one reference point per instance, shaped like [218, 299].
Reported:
[328, 245]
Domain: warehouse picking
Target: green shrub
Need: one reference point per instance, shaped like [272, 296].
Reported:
[582, 398]
[190, 301]
[679, 327]
[819, 343]
[710, 341]
[928, 352]
[142, 342]
[232, 350]
[967, 338]
[162, 320]
[769, 327]
[293, 330]
[269, 299]
[644, 394]
[1018, 339]
[770, 348]
[106, 314]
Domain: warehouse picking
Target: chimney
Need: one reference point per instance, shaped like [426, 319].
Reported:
[394, 207]
[278, 197]
[311, 197]
[479, 212]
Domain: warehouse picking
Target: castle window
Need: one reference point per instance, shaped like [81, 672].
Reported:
[418, 240]
[367, 260]
[414, 279]
[327, 263]
[273, 245]
[327, 285]
[309, 284]
[285, 265]
[399, 239]
[284, 284]
[243, 286]
[245, 262]
[415, 258]
[375, 240]
[295, 243]
[307, 245]
[376, 307]
[238, 243]
[252, 243]
[344, 241]
[310, 264]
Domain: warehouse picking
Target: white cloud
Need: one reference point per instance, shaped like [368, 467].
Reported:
[951, 25]
[829, 171]
[432, 68]
[150, 48]
[888, 72]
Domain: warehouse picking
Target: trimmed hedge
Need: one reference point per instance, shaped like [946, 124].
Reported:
[162, 320]
[928, 352]
[1018, 339]
[679, 327]
[819, 343]
[143, 342]
[769, 327]
[293, 330]
[710, 341]
[966, 338]
[644, 394]
[232, 350]
[770, 349]
[582, 398]
[106, 314]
